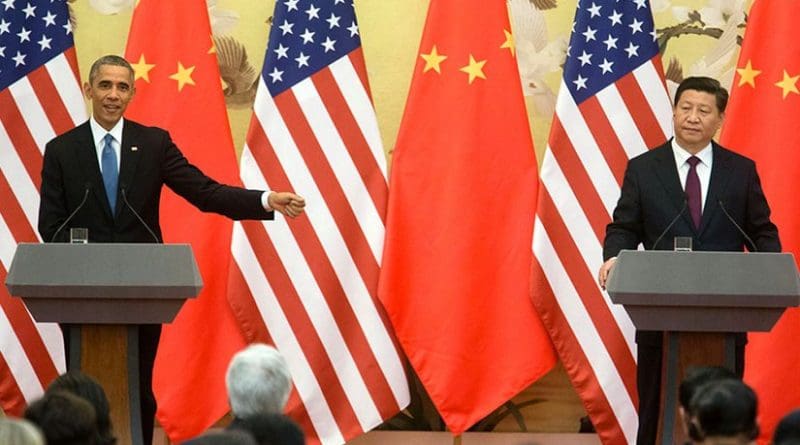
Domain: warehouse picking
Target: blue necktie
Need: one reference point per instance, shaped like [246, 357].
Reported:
[110, 173]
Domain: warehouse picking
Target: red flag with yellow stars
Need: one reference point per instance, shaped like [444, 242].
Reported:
[761, 122]
[178, 88]
[462, 198]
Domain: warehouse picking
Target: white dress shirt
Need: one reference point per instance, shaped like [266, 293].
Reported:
[99, 133]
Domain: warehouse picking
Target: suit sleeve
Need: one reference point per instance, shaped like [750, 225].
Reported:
[626, 229]
[758, 224]
[53, 205]
[205, 193]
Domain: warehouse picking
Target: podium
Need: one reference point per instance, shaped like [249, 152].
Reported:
[701, 299]
[104, 291]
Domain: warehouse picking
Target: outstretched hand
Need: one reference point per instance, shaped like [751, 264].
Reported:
[286, 203]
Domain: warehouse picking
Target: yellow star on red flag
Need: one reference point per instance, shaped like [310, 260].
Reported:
[183, 76]
[747, 75]
[433, 60]
[474, 69]
[141, 69]
[788, 84]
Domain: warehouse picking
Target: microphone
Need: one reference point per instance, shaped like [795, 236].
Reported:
[125, 200]
[672, 223]
[88, 187]
[730, 218]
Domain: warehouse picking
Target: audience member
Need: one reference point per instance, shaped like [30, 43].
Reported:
[723, 412]
[271, 429]
[19, 432]
[695, 378]
[258, 381]
[223, 438]
[788, 430]
[89, 389]
[64, 418]
[258, 384]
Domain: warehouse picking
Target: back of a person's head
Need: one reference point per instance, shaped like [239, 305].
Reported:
[64, 418]
[723, 409]
[273, 429]
[234, 437]
[788, 430]
[19, 432]
[699, 376]
[257, 381]
[89, 389]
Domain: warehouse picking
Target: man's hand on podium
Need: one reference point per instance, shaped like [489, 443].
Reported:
[605, 270]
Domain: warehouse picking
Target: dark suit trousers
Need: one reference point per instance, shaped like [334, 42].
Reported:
[648, 384]
[149, 335]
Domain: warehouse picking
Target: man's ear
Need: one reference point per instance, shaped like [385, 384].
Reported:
[87, 90]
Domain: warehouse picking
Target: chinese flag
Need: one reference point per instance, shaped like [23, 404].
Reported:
[178, 88]
[761, 122]
[462, 197]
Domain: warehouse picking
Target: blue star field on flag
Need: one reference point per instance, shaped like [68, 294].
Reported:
[306, 36]
[31, 33]
[610, 38]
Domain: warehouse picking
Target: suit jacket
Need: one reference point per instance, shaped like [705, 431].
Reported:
[149, 160]
[652, 197]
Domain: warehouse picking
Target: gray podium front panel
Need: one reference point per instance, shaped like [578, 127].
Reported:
[704, 291]
[104, 283]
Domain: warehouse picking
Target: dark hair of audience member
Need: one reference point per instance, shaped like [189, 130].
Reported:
[64, 418]
[19, 432]
[699, 376]
[234, 437]
[788, 430]
[724, 408]
[87, 388]
[272, 429]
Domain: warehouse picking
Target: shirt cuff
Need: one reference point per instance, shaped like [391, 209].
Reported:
[265, 201]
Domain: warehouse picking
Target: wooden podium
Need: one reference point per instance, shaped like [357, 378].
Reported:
[104, 291]
[701, 299]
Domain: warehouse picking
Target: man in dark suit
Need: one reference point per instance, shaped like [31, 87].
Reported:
[109, 167]
[697, 181]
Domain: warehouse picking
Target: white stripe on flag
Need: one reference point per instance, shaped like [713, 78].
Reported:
[652, 85]
[70, 91]
[18, 179]
[622, 122]
[34, 116]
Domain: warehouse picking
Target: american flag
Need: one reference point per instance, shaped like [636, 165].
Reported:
[310, 286]
[40, 97]
[612, 105]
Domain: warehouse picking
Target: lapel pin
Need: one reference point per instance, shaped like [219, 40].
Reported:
[134, 148]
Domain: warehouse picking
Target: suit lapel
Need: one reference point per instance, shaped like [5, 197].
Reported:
[720, 175]
[130, 153]
[667, 173]
[86, 152]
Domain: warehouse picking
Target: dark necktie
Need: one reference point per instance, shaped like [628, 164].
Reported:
[693, 198]
[110, 173]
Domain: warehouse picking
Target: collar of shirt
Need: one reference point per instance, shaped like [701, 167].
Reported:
[99, 133]
[706, 156]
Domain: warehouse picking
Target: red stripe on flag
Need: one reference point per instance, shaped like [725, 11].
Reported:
[50, 99]
[575, 362]
[309, 242]
[302, 326]
[11, 399]
[579, 180]
[353, 139]
[21, 138]
[13, 214]
[640, 110]
[28, 336]
[297, 411]
[606, 137]
[586, 288]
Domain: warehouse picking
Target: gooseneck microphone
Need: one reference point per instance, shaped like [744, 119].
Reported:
[672, 223]
[88, 187]
[730, 218]
[125, 200]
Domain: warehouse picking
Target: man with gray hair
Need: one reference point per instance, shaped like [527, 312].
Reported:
[258, 381]
[258, 384]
